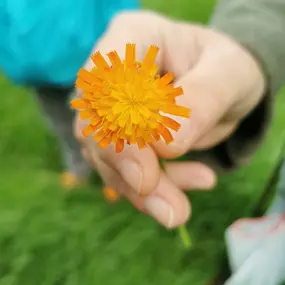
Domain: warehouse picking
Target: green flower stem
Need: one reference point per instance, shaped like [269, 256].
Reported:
[185, 237]
[182, 230]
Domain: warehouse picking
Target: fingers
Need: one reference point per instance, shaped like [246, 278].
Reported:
[138, 168]
[208, 104]
[191, 175]
[167, 204]
[215, 135]
[214, 89]
[128, 28]
[78, 126]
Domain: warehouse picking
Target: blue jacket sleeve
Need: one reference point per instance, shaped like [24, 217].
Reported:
[46, 42]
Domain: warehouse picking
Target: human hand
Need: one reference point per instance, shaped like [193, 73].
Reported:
[222, 83]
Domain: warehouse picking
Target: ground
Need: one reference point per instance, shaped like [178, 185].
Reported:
[48, 237]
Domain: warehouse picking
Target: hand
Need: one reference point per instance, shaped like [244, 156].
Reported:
[222, 83]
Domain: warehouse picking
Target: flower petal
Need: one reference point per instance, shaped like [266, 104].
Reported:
[149, 59]
[176, 110]
[115, 59]
[99, 61]
[88, 130]
[130, 55]
[79, 104]
[170, 123]
[119, 145]
[105, 142]
[165, 133]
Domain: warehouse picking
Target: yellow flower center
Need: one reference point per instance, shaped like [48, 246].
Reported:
[127, 100]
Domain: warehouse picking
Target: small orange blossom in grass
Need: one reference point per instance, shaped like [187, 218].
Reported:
[111, 194]
[126, 102]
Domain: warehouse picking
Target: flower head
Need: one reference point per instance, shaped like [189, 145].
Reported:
[127, 101]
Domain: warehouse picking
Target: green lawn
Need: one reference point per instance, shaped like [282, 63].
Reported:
[51, 238]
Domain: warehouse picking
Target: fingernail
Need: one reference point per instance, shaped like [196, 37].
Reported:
[132, 173]
[160, 210]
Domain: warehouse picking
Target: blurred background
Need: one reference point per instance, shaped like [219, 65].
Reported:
[50, 237]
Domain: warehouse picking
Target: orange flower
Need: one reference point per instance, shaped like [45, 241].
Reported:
[125, 102]
[111, 194]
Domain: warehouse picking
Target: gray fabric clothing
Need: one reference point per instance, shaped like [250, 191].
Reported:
[55, 105]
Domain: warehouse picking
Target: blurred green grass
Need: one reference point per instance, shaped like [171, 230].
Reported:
[48, 237]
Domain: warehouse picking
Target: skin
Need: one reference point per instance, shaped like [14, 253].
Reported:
[222, 84]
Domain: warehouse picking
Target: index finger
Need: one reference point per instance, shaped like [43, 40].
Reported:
[140, 28]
